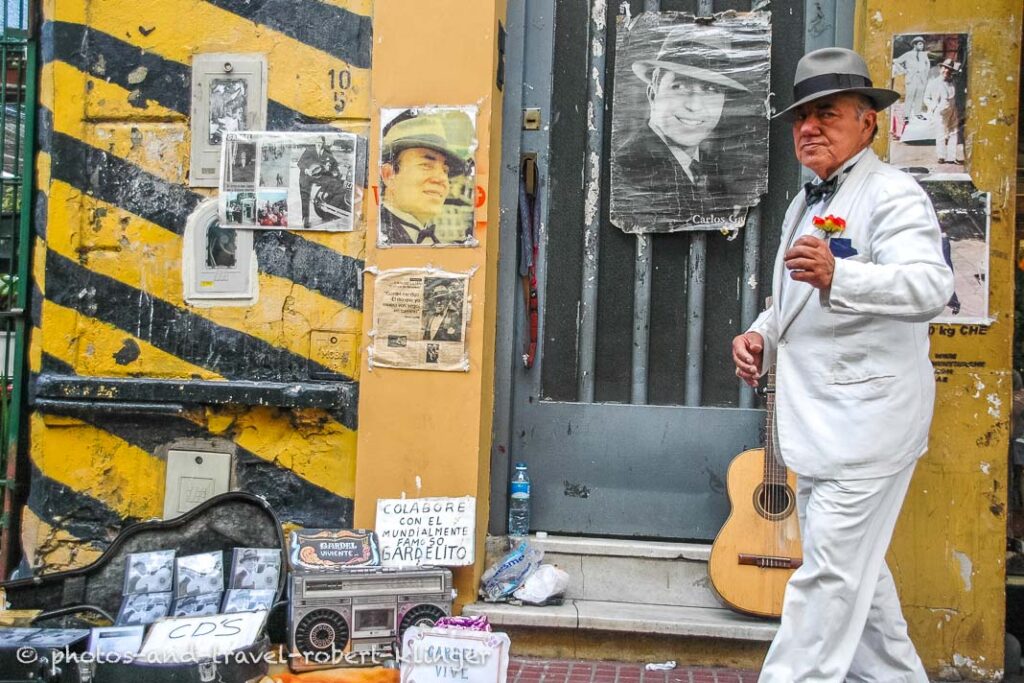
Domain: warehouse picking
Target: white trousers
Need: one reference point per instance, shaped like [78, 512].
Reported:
[841, 617]
[946, 143]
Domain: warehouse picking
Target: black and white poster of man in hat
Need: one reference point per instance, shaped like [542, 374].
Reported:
[689, 131]
[926, 125]
[255, 568]
[427, 179]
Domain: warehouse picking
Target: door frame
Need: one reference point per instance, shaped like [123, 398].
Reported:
[826, 23]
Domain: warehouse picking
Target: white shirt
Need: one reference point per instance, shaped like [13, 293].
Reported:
[790, 288]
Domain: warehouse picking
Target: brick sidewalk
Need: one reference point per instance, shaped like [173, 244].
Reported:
[526, 670]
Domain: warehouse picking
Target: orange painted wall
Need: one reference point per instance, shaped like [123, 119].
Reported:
[425, 433]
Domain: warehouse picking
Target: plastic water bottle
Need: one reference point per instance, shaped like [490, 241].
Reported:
[519, 503]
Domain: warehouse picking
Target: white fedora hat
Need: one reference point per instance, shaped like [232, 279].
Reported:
[833, 70]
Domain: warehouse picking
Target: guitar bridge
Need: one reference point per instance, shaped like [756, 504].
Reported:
[769, 561]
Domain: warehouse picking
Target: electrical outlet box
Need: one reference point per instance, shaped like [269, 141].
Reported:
[229, 93]
[193, 477]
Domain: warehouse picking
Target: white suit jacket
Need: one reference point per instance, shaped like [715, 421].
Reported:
[854, 384]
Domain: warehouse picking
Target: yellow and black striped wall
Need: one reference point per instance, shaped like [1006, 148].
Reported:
[122, 368]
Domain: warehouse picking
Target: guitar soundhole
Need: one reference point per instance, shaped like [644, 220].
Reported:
[774, 501]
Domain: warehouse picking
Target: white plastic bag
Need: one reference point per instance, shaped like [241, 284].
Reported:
[542, 585]
[501, 579]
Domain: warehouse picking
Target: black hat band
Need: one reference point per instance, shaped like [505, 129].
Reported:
[825, 82]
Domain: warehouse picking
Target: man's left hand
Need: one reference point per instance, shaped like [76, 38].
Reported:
[810, 260]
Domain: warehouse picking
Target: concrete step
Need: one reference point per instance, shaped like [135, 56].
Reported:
[642, 587]
[631, 571]
[636, 618]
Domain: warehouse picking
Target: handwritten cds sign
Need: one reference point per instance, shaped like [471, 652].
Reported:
[426, 531]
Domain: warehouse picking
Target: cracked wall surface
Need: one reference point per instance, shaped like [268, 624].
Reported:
[112, 202]
[948, 552]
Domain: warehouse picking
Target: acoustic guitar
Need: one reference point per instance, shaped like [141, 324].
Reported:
[758, 549]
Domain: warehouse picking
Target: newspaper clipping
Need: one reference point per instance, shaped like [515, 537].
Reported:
[293, 181]
[420, 318]
[427, 177]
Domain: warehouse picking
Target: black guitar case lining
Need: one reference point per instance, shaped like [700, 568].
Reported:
[225, 522]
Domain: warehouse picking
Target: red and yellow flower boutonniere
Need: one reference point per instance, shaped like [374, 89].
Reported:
[830, 225]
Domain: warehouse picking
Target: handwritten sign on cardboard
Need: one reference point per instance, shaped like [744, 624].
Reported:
[451, 655]
[426, 531]
[177, 638]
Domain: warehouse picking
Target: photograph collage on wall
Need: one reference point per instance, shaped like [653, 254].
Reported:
[290, 181]
[964, 218]
[420, 318]
[926, 125]
[689, 124]
[427, 177]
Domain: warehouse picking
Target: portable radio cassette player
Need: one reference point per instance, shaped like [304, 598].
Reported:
[355, 617]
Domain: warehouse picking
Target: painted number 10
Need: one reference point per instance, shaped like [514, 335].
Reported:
[340, 81]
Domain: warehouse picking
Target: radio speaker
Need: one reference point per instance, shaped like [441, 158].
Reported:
[421, 615]
[322, 630]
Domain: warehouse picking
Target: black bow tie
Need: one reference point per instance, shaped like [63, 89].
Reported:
[425, 234]
[817, 192]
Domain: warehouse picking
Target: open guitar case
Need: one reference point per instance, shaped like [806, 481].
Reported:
[92, 595]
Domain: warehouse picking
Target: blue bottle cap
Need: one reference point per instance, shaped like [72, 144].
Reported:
[520, 465]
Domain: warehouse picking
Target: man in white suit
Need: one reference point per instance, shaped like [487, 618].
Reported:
[858, 274]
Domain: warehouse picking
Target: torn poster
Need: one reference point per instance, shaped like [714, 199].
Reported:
[926, 125]
[420, 317]
[964, 216]
[292, 181]
[689, 133]
[427, 177]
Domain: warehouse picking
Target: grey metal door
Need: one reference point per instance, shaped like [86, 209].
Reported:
[631, 412]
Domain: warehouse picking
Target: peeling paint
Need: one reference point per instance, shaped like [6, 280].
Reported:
[986, 467]
[994, 405]
[975, 668]
[137, 75]
[966, 568]
[593, 196]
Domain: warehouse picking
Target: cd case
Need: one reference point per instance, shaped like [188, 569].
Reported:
[199, 574]
[256, 568]
[149, 572]
[143, 608]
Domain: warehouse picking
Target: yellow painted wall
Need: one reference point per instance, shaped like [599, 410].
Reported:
[428, 433]
[115, 97]
[949, 549]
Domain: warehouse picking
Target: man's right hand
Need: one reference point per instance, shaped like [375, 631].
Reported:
[746, 354]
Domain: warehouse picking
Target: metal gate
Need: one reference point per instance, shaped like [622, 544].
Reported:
[17, 122]
[631, 412]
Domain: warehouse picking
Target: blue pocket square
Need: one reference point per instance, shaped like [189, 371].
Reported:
[841, 247]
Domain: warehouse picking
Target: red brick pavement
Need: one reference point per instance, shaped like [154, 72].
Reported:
[523, 670]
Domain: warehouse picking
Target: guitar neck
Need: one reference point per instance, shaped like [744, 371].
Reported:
[774, 471]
